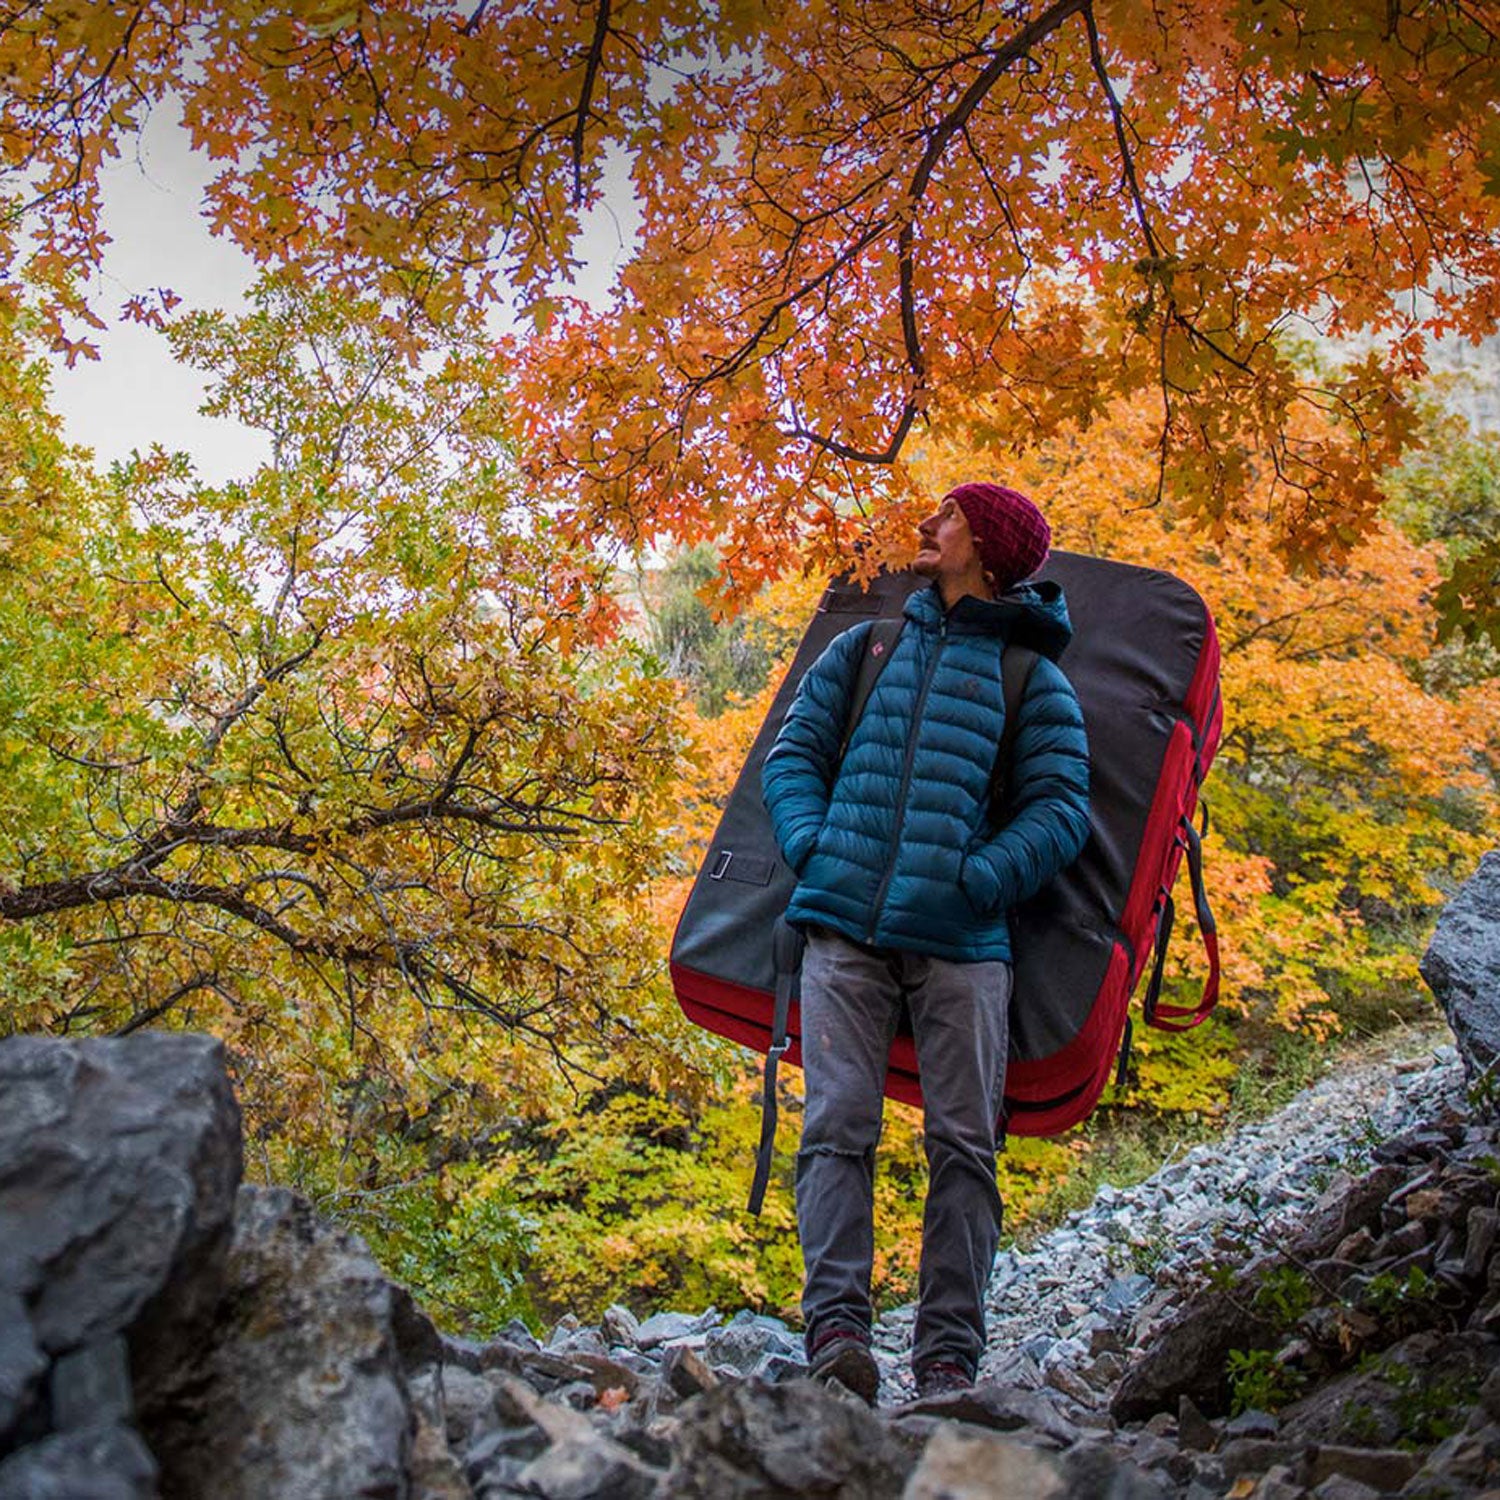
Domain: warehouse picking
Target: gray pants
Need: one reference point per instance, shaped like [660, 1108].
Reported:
[851, 1000]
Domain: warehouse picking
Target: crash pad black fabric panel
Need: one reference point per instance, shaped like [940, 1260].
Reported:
[1137, 637]
[728, 934]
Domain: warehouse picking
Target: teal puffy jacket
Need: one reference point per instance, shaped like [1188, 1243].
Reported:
[893, 847]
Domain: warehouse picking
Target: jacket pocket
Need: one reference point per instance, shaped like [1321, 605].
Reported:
[978, 883]
[808, 849]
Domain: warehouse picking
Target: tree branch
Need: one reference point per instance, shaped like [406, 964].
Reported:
[953, 123]
[586, 94]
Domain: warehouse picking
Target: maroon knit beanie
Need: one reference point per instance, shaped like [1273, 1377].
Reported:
[1012, 535]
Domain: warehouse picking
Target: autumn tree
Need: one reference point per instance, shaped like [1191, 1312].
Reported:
[324, 759]
[853, 216]
[721, 657]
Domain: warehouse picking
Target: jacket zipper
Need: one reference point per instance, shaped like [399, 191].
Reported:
[906, 770]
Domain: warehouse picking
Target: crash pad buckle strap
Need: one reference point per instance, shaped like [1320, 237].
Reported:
[1122, 1068]
[787, 943]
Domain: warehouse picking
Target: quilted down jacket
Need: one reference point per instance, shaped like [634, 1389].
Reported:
[893, 846]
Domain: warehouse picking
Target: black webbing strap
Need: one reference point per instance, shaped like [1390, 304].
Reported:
[787, 943]
[1201, 908]
[1015, 672]
[1166, 916]
[1122, 1070]
[880, 646]
[1185, 1017]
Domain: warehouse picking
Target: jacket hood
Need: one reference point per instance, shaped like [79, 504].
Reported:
[1034, 615]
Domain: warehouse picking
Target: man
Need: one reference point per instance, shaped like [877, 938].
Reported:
[904, 891]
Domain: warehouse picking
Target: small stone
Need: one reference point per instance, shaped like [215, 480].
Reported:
[547, 1370]
[686, 1372]
[1470, 1459]
[1092, 1469]
[1104, 1370]
[587, 1467]
[1425, 1203]
[1243, 1456]
[963, 1465]
[1417, 1144]
[565, 1326]
[1451, 1271]
[746, 1439]
[1004, 1409]
[582, 1341]
[1384, 1468]
[500, 1454]
[1066, 1379]
[1482, 1226]
[1410, 1237]
[1153, 1452]
[1105, 1340]
[620, 1325]
[1016, 1370]
[506, 1354]
[742, 1346]
[580, 1395]
[1124, 1292]
[668, 1327]
[1278, 1483]
[1194, 1430]
[1355, 1247]
[1252, 1424]
[1341, 1487]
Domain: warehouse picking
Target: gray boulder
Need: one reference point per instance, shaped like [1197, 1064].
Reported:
[748, 1439]
[1462, 968]
[299, 1389]
[119, 1160]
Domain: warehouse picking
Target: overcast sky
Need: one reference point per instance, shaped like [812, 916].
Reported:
[134, 394]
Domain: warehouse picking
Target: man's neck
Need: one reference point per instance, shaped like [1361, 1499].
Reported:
[954, 589]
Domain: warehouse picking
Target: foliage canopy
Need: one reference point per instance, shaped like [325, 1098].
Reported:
[853, 217]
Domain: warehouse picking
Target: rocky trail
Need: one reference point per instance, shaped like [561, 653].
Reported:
[183, 1331]
[1309, 1307]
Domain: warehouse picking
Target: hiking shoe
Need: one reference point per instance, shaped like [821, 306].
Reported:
[942, 1378]
[843, 1355]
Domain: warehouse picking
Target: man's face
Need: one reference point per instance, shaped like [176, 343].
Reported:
[946, 547]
